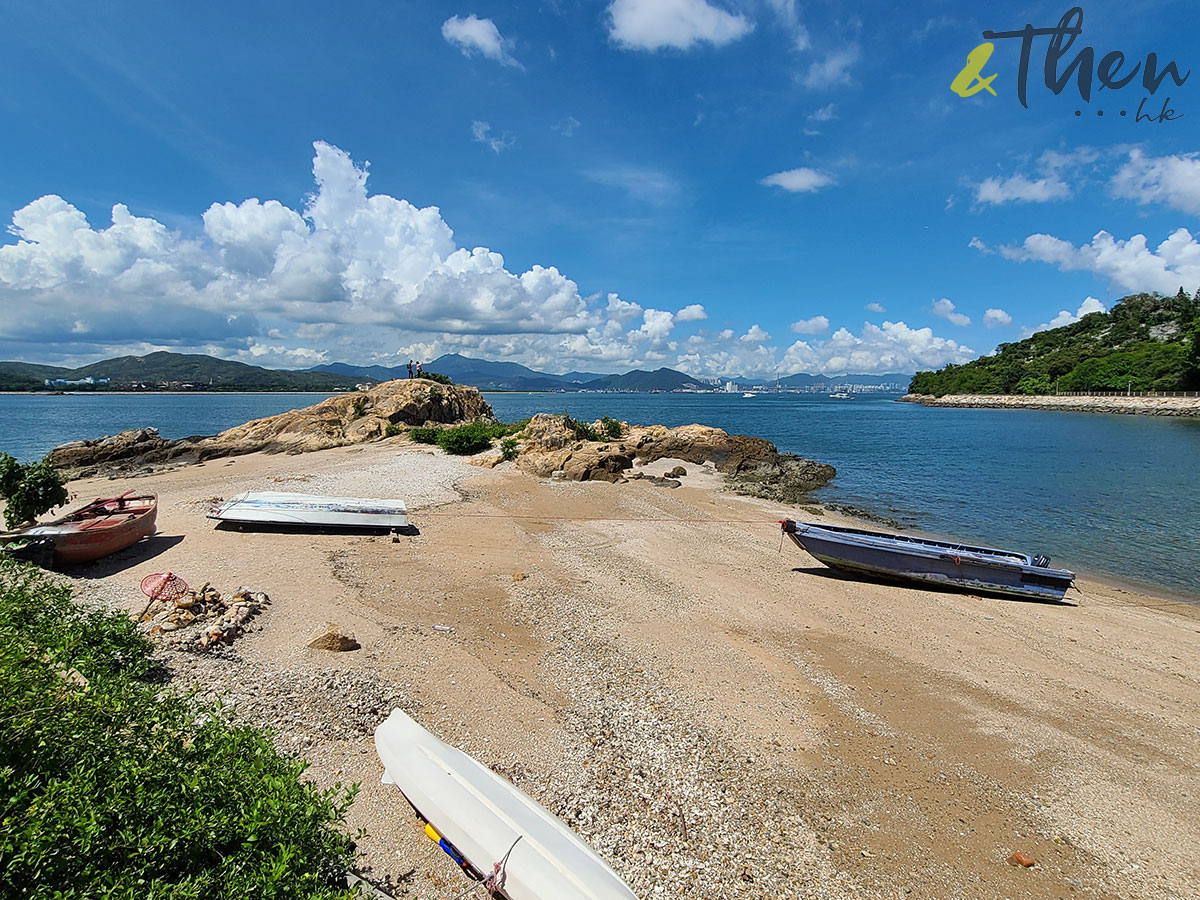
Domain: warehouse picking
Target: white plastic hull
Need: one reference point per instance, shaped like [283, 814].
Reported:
[482, 815]
[278, 508]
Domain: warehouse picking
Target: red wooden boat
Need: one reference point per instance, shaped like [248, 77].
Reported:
[102, 527]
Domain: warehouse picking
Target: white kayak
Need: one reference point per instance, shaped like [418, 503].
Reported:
[279, 508]
[483, 818]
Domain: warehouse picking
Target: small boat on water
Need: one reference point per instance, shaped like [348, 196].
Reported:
[841, 395]
[750, 394]
[494, 832]
[279, 508]
[937, 563]
[98, 529]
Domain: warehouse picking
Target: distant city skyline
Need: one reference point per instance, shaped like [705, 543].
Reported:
[737, 188]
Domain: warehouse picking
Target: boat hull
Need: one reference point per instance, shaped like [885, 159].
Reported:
[101, 528]
[934, 563]
[481, 816]
[279, 508]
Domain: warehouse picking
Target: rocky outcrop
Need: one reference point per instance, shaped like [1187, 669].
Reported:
[343, 419]
[552, 446]
[1133, 405]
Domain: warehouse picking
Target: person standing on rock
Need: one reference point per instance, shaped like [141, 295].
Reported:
[418, 369]
[410, 368]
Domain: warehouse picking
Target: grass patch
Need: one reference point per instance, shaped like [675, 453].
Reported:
[108, 789]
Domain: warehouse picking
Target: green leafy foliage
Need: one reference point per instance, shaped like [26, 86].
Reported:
[1141, 344]
[463, 440]
[359, 407]
[29, 490]
[508, 448]
[424, 435]
[391, 429]
[111, 788]
[611, 427]
[472, 437]
[582, 430]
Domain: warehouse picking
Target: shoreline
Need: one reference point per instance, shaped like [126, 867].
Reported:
[1117, 404]
[719, 719]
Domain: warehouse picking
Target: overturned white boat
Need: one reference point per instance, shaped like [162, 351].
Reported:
[496, 833]
[279, 508]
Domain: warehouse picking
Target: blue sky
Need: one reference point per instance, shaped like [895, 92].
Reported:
[730, 187]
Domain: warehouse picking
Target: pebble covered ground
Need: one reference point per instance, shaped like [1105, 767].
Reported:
[659, 695]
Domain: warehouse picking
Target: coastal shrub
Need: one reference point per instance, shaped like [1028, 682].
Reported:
[582, 430]
[508, 448]
[391, 429]
[111, 787]
[424, 435]
[359, 407]
[29, 490]
[436, 376]
[463, 440]
[611, 426]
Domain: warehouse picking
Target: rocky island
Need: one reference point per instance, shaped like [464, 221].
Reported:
[548, 446]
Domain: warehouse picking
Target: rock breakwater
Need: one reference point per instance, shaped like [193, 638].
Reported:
[1130, 405]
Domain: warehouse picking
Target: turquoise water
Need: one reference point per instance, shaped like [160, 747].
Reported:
[1115, 495]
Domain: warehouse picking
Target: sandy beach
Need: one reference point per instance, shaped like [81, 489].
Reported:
[718, 715]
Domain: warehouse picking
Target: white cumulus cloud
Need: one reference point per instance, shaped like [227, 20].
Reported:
[656, 24]
[475, 35]
[993, 318]
[1019, 189]
[1065, 317]
[875, 307]
[815, 325]
[1131, 263]
[891, 347]
[1170, 180]
[945, 309]
[802, 180]
[693, 312]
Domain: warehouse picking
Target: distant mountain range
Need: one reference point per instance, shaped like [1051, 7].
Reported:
[505, 376]
[162, 370]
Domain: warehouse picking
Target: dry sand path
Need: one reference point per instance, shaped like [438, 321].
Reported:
[720, 718]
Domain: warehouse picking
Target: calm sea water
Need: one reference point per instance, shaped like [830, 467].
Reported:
[1115, 495]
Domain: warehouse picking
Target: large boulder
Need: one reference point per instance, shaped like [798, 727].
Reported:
[554, 446]
[350, 418]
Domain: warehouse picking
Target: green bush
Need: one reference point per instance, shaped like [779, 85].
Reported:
[463, 440]
[508, 448]
[612, 428]
[435, 376]
[392, 429]
[29, 490]
[581, 430]
[424, 435]
[111, 788]
[359, 407]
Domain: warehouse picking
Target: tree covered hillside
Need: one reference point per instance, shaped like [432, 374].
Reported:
[1146, 342]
